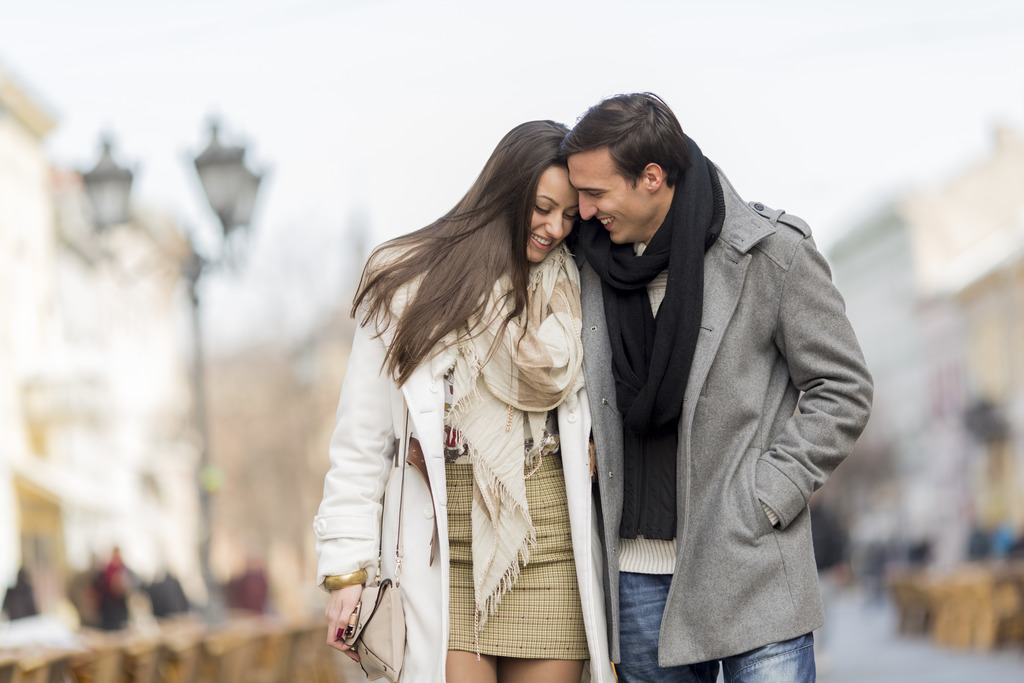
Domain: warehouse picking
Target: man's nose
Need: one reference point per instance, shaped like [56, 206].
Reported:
[587, 208]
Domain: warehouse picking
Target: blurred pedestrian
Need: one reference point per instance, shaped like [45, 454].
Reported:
[113, 584]
[978, 543]
[873, 567]
[167, 596]
[83, 594]
[919, 553]
[829, 538]
[1017, 549]
[831, 542]
[1002, 539]
[250, 589]
[20, 600]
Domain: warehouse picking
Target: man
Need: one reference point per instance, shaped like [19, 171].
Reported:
[706, 322]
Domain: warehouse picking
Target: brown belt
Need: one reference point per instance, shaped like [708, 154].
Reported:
[418, 461]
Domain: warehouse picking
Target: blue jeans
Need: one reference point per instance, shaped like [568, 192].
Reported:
[641, 603]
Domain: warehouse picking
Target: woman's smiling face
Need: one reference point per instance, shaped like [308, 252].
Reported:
[555, 210]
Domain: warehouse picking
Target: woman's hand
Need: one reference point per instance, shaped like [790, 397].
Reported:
[343, 601]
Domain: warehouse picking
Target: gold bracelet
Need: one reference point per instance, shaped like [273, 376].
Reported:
[345, 580]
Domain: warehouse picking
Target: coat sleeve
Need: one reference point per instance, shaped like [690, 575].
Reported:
[826, 364]
[347, 525]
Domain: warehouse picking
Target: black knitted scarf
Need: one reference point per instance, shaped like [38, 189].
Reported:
[651, 356]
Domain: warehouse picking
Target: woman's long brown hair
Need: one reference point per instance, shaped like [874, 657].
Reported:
[458, 257]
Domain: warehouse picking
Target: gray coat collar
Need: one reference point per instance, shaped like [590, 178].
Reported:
[743, 226]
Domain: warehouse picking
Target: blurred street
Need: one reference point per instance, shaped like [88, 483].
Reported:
[864, 647]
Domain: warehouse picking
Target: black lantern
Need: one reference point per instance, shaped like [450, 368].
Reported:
[229, 186]
[108, 187]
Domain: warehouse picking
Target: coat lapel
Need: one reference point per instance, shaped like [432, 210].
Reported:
[597, 368]
[424, 395]
[725, 271]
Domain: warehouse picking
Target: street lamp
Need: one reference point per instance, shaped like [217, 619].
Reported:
[108, 187]
[230, 189]
[229, 186]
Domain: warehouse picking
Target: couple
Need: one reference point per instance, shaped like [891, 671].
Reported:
[656, 518]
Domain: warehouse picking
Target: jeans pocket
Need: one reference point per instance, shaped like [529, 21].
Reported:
[789, 661]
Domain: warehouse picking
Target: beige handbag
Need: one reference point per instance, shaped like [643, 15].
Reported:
[379, 634]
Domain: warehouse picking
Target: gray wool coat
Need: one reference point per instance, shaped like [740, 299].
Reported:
[774, 338]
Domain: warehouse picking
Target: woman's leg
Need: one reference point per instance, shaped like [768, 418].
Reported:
[515, 670]
[463, 667]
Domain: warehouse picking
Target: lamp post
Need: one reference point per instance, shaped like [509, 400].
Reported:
[230, 190]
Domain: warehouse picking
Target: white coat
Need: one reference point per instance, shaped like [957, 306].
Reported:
[370, 415]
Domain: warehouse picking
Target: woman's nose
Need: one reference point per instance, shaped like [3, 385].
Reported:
[556, 226]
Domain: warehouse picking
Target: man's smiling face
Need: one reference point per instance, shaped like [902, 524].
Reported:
[628, 212]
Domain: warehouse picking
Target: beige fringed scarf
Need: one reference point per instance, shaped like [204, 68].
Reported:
[503, 385]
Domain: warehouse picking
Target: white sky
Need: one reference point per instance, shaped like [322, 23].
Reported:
[382, 113]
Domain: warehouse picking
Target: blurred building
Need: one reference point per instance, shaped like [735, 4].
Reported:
[933, 284]
[95, 445]
[26, 321]
[975, 258]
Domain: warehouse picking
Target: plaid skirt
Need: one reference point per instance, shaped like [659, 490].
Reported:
[540, 616]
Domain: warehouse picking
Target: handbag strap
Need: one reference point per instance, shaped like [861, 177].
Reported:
[402, 456]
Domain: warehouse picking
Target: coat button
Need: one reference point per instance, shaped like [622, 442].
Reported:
[433, 387]
[321, 526]
[759, 206]
[610, 475]
[428, 512]
[593, 328]
[604, 401]
[572, 417]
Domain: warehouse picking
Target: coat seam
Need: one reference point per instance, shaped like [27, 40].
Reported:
[782, 297]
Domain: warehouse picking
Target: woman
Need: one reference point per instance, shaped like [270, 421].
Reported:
[472, 325]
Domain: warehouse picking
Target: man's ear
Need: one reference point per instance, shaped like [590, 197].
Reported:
[652, 177]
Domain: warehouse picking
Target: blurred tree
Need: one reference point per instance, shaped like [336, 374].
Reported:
[272, 410]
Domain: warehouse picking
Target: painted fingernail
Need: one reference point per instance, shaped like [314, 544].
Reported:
[339, 634]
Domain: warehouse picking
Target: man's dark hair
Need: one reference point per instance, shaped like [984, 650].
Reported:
[638, 129]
